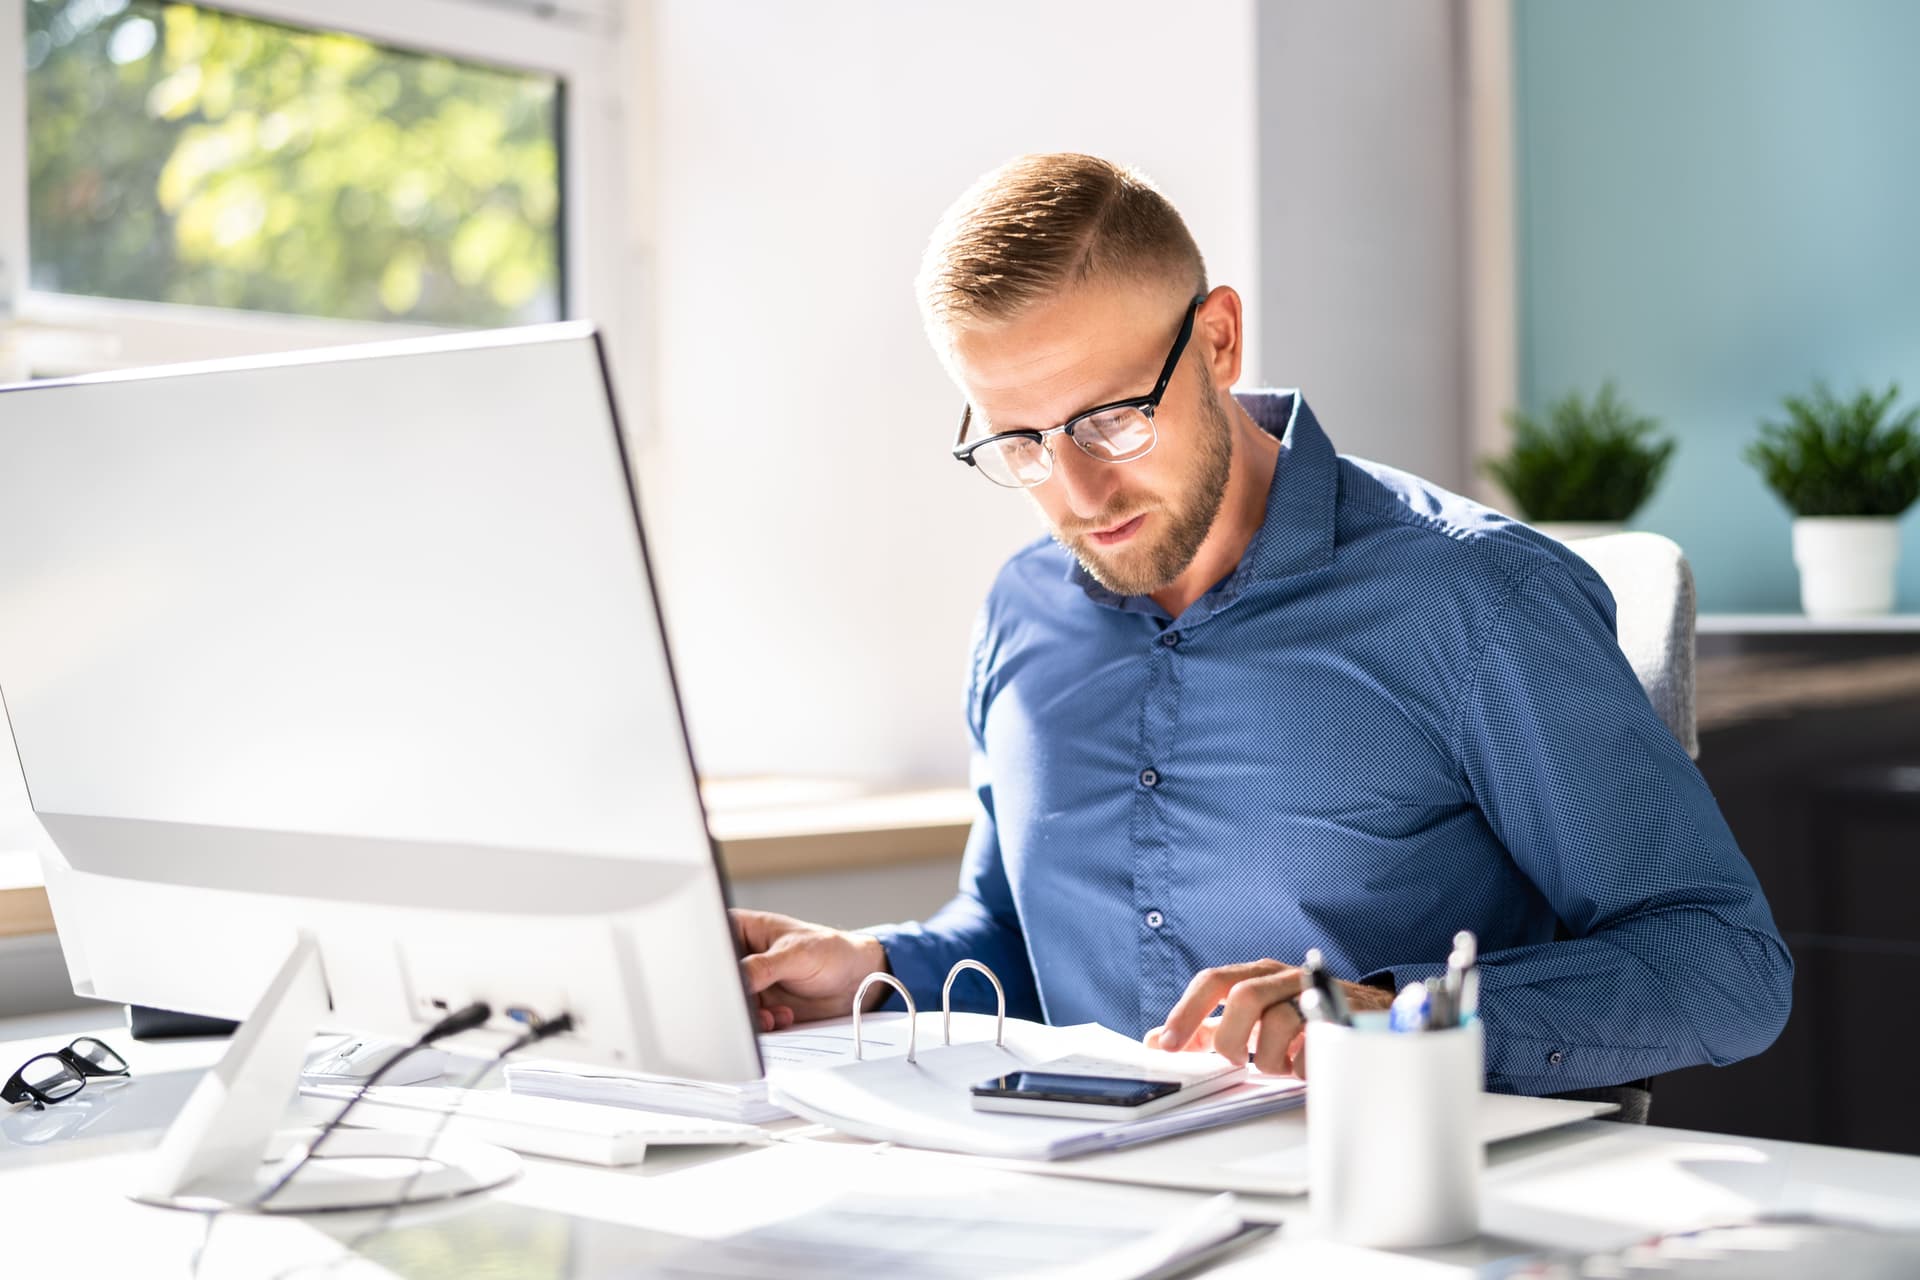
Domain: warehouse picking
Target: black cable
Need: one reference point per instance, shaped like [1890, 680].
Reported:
[463, 1019]
[536, 1032]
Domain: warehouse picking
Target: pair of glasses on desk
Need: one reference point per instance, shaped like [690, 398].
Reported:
[57, 1076]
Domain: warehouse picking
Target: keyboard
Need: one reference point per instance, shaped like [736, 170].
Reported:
[582, 1131]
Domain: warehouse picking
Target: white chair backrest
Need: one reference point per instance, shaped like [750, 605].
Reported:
[1652, 587]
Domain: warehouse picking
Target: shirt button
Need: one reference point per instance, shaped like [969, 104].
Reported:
[1555, 1058]
[1171, 639]
[1155, 919]
[1149, 777]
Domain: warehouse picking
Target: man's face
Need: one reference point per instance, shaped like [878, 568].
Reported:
[1134, 526]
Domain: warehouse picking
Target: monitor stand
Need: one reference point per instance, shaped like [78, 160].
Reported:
[226, 1148]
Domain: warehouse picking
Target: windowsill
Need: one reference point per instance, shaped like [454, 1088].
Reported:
[784, 826]
[765, 827]
[23, 903]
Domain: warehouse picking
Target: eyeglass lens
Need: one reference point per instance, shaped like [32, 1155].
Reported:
[52, 1078]
[96, 1054]
[1117, 435]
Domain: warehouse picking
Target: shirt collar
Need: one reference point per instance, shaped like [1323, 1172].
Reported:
[1296, 533]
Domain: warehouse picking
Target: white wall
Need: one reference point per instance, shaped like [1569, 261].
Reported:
[821, 556]
[1362, 223]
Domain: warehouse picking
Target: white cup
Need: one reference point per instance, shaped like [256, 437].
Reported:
[1393, 1141]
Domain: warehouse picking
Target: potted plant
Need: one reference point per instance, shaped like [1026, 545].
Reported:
[1582, 469]
[1847, 472]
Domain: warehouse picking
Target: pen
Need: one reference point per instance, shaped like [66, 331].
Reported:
[1459, 964]
[1336, 1004]
[1312, 1008]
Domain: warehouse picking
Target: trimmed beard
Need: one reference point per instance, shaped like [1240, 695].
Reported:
[1145, 570]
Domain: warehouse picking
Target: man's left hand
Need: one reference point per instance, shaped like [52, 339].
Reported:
[1258, 1021]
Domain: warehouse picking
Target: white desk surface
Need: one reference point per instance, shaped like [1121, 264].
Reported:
[1593, 1185]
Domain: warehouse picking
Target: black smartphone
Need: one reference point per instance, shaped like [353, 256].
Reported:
[1048, 1086]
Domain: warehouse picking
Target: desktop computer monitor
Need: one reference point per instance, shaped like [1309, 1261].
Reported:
[340, 688]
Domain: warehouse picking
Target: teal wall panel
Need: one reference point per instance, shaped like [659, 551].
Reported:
[1719, 200]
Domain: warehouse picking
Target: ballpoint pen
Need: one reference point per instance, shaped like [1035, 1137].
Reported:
[1460, 963]
[1312, 1007]
[1336, 1003]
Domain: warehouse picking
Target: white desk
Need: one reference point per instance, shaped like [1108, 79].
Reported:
[61, 1204]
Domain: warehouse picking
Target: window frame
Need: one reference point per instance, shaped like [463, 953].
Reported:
[579, 42]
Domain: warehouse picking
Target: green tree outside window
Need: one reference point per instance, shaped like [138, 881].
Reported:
[180, 154]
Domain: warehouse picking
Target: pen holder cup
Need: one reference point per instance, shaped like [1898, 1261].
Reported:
[1393, 1143]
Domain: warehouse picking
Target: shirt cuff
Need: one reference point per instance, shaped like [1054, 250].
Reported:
[912, 958]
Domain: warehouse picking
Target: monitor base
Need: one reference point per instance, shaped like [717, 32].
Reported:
[357, 1169]
[225, 1149]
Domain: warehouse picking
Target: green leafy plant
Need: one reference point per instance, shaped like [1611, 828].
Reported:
[1834, 457]
[1582, 462]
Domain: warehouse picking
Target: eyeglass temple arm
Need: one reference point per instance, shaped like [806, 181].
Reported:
[1179, 348]
[960, 450]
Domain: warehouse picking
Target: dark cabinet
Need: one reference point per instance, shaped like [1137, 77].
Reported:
[1812, 748]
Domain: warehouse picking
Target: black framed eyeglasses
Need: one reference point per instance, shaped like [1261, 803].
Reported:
[56, 1076]
[1116, 432]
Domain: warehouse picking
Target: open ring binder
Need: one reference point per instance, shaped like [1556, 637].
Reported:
[946, 1007]
[860, 1000]
[946, 1003]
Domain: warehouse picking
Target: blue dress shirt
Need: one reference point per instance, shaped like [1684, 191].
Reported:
[1401, 715]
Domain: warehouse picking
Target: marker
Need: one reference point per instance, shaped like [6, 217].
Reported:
[1411, 1010]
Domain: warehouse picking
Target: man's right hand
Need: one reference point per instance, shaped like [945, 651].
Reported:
[800, 972]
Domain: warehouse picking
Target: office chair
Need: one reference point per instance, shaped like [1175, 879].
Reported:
[1652, 587]
[1653, 596]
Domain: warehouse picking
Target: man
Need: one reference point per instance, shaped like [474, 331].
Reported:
[1253, 697]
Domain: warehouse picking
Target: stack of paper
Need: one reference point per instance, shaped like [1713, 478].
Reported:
[798, 1050]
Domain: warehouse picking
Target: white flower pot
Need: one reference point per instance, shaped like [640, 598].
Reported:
[1846, 564]
[1574, 530]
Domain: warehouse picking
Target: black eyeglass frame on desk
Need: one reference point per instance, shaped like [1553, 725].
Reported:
[1147, 406]
[76, 1068]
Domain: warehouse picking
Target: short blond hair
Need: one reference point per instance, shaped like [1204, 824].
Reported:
[1039, 225]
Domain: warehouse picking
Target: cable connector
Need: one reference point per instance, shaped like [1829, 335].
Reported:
[465, 1018]
[538, 1029]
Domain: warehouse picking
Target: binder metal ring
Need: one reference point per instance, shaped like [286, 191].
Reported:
[946, 1003]
[860, 1000]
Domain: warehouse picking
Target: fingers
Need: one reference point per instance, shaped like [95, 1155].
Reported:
[1199, 1042]
[1247, 1004]
[758, 930]
[775, 1017]
[764, 968]
[1208, 988]
[1279, 1026]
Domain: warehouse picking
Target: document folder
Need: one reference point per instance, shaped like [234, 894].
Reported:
[922, 1098]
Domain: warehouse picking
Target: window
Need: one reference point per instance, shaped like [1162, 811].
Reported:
[182, 154]
[246, 176]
